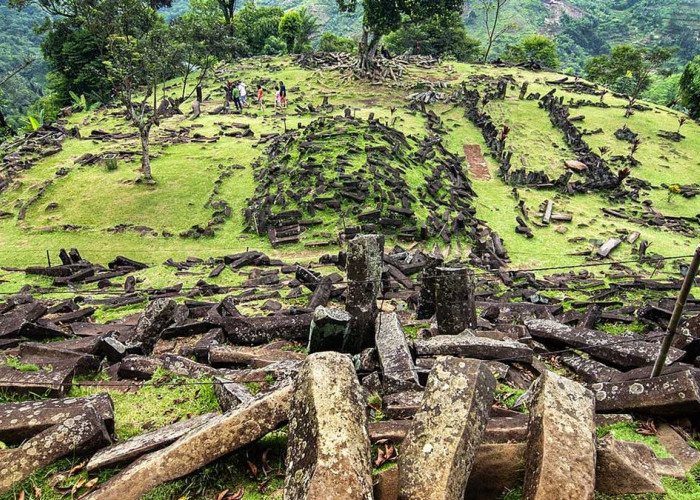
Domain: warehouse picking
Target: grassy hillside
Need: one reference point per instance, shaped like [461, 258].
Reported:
[197, 163]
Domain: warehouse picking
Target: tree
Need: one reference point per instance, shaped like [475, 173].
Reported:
[533, 48]
[440, 36]
[290, 28]
[136, 66]
[256, 24]
[492, 10]
[228, 7]
[331, 42]
[628, 69]
[308, 29]
[689, 88]
[384, 16]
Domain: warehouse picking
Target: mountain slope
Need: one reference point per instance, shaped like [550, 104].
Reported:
[205, 171]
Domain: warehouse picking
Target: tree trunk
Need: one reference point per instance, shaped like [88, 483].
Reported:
[144, 132]
[368, 50]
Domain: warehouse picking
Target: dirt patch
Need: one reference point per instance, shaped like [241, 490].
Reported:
[477, 164]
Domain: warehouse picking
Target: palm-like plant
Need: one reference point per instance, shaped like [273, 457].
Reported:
[35, 121]
[81, 103]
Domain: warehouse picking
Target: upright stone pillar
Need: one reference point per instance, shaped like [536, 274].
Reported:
[454, 299]
[364, 267]
[438, 452]
[328, 451]
[426, 299]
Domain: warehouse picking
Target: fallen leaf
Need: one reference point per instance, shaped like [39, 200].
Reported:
[37, 492]
[237, 495]
[265, 464]
[78, 484]
[221, 495]
[252, 469]
[76, 468]
[381, 458]
[21, 495]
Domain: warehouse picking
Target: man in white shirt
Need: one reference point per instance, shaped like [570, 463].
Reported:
[243, 93]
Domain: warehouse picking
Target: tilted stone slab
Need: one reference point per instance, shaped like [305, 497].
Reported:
[220, 436]
[20, 421]
[54, 383]
[155, 318]
[255, 331]
[329, 329]
[399, 373]
[470, 346]
[673, 395]
[626, 468]
[438, 452]
[618, 351]
[328, 451]
[75, 435]
[137, 446]
[230, 394]
[561, 452]
[255, 357]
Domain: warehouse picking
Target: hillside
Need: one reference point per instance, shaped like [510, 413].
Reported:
[51, 201]
[192, 295]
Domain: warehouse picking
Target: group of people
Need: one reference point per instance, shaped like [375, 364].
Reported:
[238, 93]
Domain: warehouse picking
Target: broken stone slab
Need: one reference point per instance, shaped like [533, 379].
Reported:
[672, 395]
[139, 367]
[386, 484]
[399, 373]
[229, 394]
[628, 353]
[255, 331]
[498, 429]
[328, 451]
[560, 452]
[255, 357]
[469, 346]
[157, 316]
[220, 436]
[21, 421]
[52, 383]
[455, 307]
[624, 468]
[329, 330]
[75, 435]
[607, 247]
[686, 455]
[590, 370]
[364, 272]
[439, 450]
[402, 405]
[137, 446]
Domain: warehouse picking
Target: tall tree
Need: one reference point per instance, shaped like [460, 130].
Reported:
[384, 16]
[689, 88]
[136, 66]
[533, 49]
[228, 7]
[492, 10]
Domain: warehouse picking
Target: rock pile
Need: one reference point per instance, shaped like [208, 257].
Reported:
[437, 392]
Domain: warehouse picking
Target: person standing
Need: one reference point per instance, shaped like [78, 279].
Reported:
[242, 93]
[283, 95]
[237, 99]
[261, 96]
[278, 98]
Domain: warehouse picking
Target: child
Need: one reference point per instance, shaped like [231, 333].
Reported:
[261, 95]
[283, 94]
[278, 98]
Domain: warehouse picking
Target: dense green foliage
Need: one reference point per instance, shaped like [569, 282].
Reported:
[17, 43]
[689, 87]
[330, 42]
[534, 48]
[438, 36]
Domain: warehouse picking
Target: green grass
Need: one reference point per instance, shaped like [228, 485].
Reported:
[15, 363]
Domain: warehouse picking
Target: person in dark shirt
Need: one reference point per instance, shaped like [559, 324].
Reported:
[283, 95]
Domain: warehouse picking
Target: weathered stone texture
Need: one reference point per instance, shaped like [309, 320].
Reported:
[328, 451]
[438, 452]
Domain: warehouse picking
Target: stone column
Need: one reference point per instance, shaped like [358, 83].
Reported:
[426, 299]
[364, 267]
[454, 299]
[328, 451]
